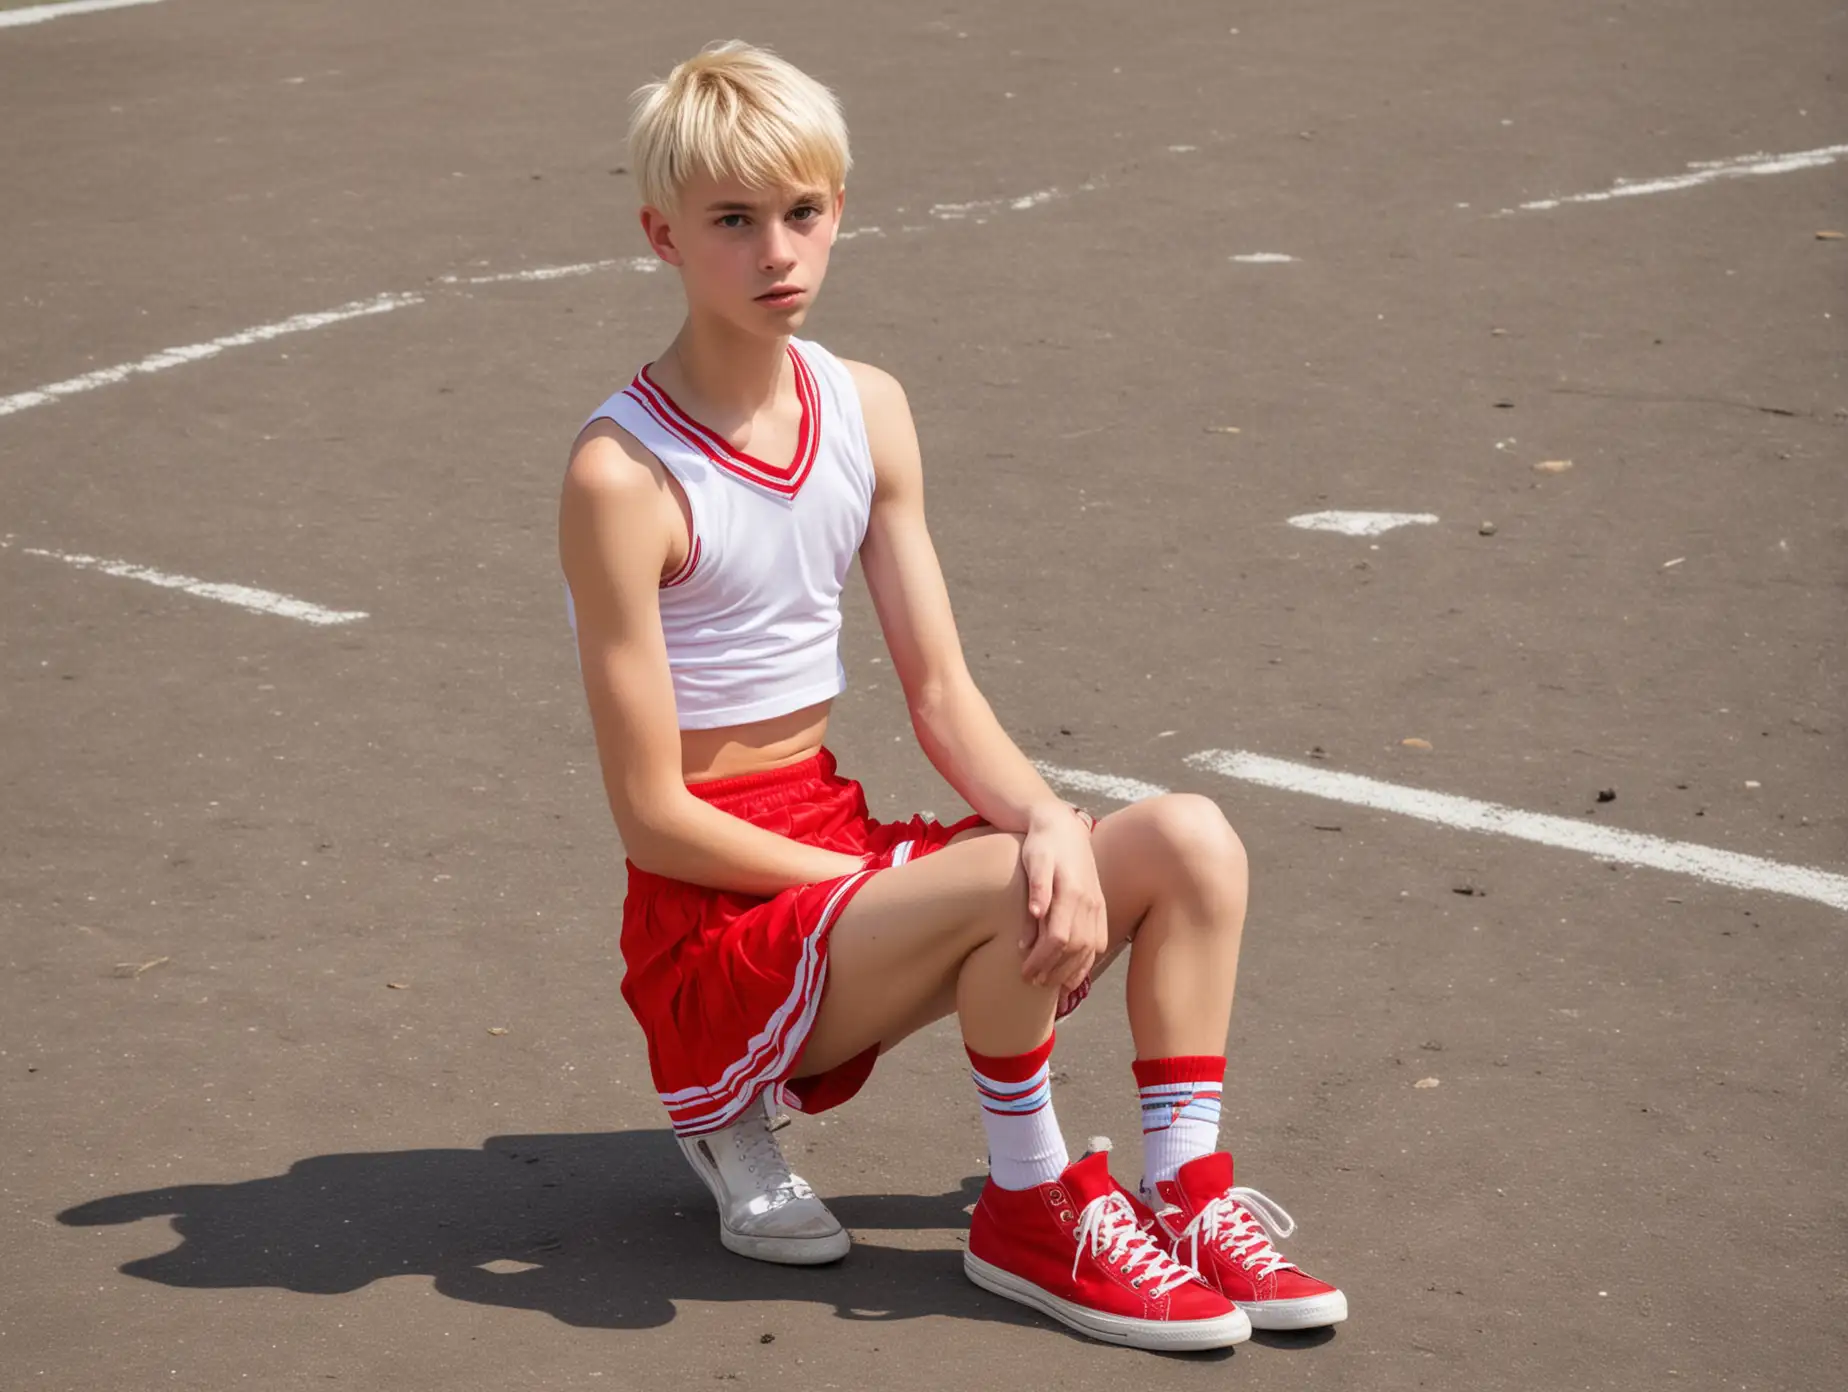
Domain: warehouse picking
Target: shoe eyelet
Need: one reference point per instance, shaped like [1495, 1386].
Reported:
[1056, 1196]
[1067, 1216]
[1135, 1281]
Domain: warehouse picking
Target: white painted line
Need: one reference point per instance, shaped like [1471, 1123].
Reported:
[1361, 524]
[261, 601]
[1264, 258]
[384, 304]
[196, 352]
[982, 207]
[1610, 843]
[1739, 167]
[38, 14]
[642, 264]
[1103, 784]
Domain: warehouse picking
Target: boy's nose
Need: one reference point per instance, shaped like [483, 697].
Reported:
[779, 250]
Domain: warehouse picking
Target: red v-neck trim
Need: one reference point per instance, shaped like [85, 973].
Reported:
[786, 481]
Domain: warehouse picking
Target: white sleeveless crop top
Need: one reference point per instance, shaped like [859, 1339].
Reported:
[753, 617]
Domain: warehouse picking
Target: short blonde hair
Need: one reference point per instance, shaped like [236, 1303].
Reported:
[736, 111]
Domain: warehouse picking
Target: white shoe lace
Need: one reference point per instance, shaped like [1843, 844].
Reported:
[1108, 1227]
[763, 1160]
[1243, 1222]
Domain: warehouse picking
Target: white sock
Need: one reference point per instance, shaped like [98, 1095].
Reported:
[1180, 1117]
[1025, 1146]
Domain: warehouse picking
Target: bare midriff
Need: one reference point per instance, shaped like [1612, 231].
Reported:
[736, 750]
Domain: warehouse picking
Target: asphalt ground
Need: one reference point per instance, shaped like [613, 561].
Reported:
[238, 1156]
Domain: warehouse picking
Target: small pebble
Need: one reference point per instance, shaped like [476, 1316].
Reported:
[1486, 529]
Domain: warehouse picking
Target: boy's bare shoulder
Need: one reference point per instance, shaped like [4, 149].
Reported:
[608, 463]
[880, 391]
[613, 512]
[890, 432]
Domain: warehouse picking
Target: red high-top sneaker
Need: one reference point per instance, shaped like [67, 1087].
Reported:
[1073, 1249]
[1224, 1233]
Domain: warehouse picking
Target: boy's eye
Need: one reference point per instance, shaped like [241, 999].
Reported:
[732, 220]
[806, 212]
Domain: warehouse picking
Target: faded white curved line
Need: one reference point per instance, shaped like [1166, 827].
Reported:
[384, 304]
[198, 352]
[982, 208]
[1739, 167]
[38, 14]
[243, 596]
[642, 264]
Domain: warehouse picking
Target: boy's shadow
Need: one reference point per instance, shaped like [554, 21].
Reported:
[599, 1230]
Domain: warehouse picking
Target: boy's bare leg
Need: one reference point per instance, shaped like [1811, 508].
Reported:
[939, 932]
[1178, 864]
[942, 935]
[951, 931]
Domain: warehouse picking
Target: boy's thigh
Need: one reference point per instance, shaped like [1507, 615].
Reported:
[897, 948]
[1124, 891]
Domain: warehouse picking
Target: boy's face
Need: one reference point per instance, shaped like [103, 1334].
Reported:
[753, 256]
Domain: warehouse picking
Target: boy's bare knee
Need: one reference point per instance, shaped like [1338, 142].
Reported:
[1206, 852]
[1002, 909]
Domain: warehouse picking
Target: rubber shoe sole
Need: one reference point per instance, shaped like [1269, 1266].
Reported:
[787, 1251]
[1162, 1336]
[1305, 1312]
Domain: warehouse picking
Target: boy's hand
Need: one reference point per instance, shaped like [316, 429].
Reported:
[1063, 896]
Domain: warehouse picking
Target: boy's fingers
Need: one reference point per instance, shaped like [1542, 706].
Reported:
[1039, 885]
[1100, 934]
[1054, 938]
[1044, 958]
[1034, 961]
[1061, 937]
[1039, 894]
[1088, 946]
[1029, 936]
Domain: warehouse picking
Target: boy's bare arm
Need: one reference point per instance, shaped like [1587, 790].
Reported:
[613, 539]
[955, 724]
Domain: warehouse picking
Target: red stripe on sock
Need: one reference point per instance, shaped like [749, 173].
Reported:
[1187, 1068]
[1016, 1068]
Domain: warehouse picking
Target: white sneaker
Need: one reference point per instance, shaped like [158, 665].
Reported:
[765, 1212]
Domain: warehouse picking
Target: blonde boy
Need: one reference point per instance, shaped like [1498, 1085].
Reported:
[776, 937]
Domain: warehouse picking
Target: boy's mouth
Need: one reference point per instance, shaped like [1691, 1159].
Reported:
[780, 295]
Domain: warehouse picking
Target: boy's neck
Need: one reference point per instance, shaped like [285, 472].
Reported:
[725, 372]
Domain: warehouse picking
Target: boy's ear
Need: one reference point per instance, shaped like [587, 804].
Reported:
[660, 235]
[840, 203]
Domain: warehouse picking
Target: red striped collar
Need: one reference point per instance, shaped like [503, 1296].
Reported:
[785, 482]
